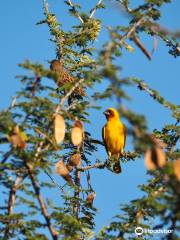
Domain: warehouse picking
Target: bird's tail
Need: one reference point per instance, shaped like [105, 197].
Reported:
[114, 164]
[117, 167]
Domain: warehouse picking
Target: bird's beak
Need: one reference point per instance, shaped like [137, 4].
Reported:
[106, 113]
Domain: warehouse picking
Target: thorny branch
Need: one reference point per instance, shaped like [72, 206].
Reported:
[138, 43]
[125, 156]
[55, 183]
[12, 194]
[157, 28]
[13, 103]
[11, 202]
[43, 206]
[77, 176]
[131, 30]
[143, 86]
[6, 156]
[95, 8]
[76, 12]
[125, 6]
[96, 165]
[128, 34]
[67, 95]
[112, 45]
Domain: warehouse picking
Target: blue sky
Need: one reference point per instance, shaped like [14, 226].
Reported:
[21, 39]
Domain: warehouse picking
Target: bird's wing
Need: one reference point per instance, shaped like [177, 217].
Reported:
[103, 137]
[124, 131]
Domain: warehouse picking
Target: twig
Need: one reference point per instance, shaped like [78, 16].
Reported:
[43, 206]
[13, 103]
[39, 148]
[76, 207]
[53, 180]
[128, 155]
[92, 12]
[6, 156]
[59, 106]
[72, 106]
[12, 194]
[125, 5]
[113, 45]
[157, 28]
[45, 136]
[96, 165]
[77, 14]
[144, 87]
[131, 30]
[141, 46]
[11, 201]
[45, 6]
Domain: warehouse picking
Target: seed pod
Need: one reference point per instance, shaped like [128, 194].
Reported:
[139, 216]
[59, 128]
[90, 198]
[154, 158]
[56, 65]
[64, 77]
[77, 133]
[16, 138]
[158, 142]
[69, 167]
[61, 169]
[75, 159]
[176, 168]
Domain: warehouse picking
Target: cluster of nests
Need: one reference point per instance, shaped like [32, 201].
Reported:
[64, 77]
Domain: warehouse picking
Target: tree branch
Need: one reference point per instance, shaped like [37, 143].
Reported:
[96, 165]
[131, 30]
[113, 45]
[76, 208]
[125, 156]
[6, 156]
[154, 94]
[12, 194]
[92, 12]
[76, 12]
[67, 95]
[43, 206]
[11, 202]
[138, 43]
[53, 180]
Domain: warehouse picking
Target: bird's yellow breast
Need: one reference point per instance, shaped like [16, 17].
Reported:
[114, 137]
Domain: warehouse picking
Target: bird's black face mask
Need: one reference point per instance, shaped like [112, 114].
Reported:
[108, 113]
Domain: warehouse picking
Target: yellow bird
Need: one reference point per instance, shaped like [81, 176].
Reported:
[114, 137]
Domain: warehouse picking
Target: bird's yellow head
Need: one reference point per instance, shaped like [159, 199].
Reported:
[111, 113]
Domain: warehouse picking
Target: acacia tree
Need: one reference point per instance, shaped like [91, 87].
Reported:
[33, 140]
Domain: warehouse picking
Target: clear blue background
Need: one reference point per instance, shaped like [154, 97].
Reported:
[21, 39]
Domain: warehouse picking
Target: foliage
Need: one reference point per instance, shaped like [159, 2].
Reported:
[26, 170]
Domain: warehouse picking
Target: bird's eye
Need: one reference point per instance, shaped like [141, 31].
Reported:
[110, 112]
